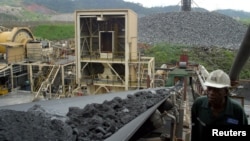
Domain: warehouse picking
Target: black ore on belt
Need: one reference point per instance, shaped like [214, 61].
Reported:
[94, 122]
[99, 121]
[32, 126]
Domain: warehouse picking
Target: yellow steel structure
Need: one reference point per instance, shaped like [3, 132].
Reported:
[18, 36]
[25, 59]
[13, 43]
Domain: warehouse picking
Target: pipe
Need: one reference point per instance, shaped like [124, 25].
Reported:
[174, 122]
[179, 126]
[241, 58]
[174, 118]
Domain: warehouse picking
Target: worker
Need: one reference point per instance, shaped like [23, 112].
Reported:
[216, 108]
[44, 91]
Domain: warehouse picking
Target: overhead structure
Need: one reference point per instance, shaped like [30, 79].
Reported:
[186, 5]
[106, 52]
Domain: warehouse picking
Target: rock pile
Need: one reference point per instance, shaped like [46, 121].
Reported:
[191, 28]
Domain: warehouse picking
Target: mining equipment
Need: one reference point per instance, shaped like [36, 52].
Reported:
[12, 50]
[124, 97]
[34, 65]
[107, 59]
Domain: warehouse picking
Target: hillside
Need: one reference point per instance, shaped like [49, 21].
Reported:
[20, 11]
[24, 10]
[199, 27]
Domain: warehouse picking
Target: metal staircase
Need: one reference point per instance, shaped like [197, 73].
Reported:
[53, 74]
[40, 79]
[48, 81]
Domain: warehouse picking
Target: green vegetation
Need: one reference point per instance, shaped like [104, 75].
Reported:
[165, 53]
[245, 21]
[212, 58]
[54, 32]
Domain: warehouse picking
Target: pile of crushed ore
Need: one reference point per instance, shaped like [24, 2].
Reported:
[93, 122]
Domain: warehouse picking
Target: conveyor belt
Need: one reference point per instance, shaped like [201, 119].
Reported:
[127, 131]
[61, 107]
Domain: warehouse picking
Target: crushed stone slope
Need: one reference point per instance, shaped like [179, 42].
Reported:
[191, 28]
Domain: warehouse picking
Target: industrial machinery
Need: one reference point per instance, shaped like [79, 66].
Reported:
[12, 43]
[33, 65]
[12, 50]
[107, 61]
[106, 58]
[128, 115]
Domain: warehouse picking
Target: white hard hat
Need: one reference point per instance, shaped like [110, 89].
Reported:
[218, 79]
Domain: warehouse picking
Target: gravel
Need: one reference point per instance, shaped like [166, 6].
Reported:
[191, 28]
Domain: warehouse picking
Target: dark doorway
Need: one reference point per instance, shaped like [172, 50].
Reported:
[106, 43]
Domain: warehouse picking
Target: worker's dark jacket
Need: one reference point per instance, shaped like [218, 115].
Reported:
[202, 117]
